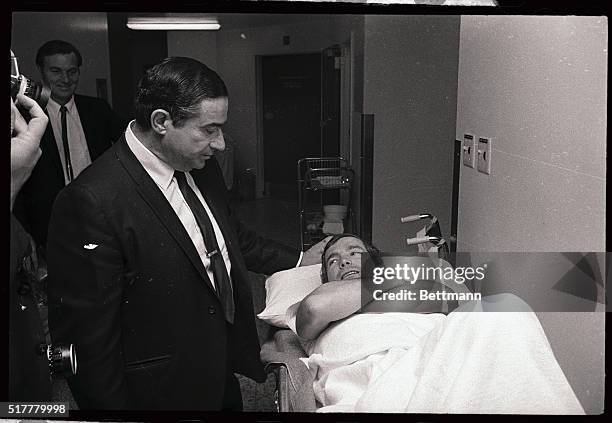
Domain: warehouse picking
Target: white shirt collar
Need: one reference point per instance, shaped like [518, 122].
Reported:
[160, 171]
[53, 107]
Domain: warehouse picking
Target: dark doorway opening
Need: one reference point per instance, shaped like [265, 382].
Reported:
[131, 54]
[330, 101]
[300, 115]
[291, 96]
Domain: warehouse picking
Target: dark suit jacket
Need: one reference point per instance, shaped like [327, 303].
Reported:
[127, 287]
[33, 204]
[29, 378]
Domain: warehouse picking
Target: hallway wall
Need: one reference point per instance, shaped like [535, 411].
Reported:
[410, 85]
[538, 86]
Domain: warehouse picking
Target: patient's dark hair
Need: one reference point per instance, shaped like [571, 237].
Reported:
[374, 253]
[177, 85]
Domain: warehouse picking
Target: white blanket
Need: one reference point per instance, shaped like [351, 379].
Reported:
[466, 362]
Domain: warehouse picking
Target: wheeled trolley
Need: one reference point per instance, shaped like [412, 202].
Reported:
[324, 198]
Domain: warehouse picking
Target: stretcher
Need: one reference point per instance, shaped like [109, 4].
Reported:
[293, 381]
[524, 390]
[281, 350]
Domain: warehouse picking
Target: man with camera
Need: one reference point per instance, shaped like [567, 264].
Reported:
[81, 129]
[28, 371]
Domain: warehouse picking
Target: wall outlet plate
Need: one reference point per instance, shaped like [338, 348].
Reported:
[484, 155]
[469, 150]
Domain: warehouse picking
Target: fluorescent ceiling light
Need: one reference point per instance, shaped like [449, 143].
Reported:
[172, 23]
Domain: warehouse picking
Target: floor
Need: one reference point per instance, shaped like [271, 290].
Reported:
[276, 219]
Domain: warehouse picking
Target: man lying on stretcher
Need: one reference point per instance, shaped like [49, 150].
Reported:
[340, 295]
[422, 361]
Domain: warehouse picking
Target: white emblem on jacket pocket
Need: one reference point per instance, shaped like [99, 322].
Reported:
[90, 246]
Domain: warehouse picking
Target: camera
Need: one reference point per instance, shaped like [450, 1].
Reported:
[62, 359]
[20, 84]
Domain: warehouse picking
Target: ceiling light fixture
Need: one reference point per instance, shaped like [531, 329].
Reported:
[171, 23]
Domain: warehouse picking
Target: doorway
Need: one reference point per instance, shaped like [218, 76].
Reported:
[291, 111]
[131, 54]
[299, 116]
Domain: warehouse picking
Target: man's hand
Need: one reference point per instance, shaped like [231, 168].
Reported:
[25, 142]
[313, 254]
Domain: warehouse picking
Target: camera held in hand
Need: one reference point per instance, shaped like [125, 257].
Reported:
[62, 359]
[20, 84]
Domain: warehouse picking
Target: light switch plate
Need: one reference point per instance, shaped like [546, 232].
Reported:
[484, 155]
[469, 150]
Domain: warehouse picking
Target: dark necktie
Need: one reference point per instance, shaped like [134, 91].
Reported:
[222, 280]
[65, 143]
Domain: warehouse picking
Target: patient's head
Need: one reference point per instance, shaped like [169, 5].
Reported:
[341, 258]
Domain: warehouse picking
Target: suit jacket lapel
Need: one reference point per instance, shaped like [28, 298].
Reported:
[92, 118]
[153, 196]
[86, 115]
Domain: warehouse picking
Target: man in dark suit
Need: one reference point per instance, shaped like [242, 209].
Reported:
[148, 265]
[81, 129]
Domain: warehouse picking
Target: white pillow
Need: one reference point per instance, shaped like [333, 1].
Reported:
[285, 288]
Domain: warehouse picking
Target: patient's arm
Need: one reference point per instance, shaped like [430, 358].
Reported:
[334, 301]
[328, 303]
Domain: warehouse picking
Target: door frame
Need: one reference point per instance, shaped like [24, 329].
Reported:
[259, 147]
[346, 101]
[260, 189]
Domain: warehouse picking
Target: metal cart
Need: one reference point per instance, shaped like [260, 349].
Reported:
[322, 181]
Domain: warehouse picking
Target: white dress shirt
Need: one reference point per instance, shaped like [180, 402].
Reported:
[163, 175]
[79, 152]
